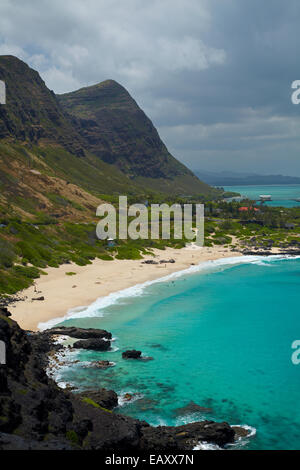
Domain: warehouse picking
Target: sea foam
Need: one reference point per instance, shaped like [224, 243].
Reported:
[97, 308]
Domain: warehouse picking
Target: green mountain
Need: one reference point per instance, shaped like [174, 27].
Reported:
[115, 129]
[63, 154]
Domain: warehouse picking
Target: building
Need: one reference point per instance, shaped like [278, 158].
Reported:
[246, 209]
[265, 197]
[111, 242]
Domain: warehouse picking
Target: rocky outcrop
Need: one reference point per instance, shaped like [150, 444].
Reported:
[95, 344]
[105, 398]
[186, 436]
[80, 333]
[118, 131]
[36, 414]
[31, 405]
[132, 354]
[12, 442]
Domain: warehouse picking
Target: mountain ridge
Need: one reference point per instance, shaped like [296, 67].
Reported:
[118, 131]
[105, 148]
[32, 112]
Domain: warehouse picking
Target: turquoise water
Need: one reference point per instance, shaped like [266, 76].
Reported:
[282, 195]
[220, 337]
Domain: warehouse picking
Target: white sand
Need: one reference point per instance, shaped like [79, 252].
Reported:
[100, 279]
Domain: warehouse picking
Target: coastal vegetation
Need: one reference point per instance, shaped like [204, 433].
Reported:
[62, 156]
[28, 246]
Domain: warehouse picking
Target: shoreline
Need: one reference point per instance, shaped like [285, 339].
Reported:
[63, 292]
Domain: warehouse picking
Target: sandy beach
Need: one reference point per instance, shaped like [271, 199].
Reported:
[62, 292]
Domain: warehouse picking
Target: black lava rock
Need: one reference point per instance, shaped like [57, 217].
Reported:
[132, 354]
[96, 344]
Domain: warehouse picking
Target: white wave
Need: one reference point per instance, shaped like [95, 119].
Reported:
[262, 263]
[122, 400]
[191, 418]
[62, 384]
[251, 430]
[240, 442]
[64, 340]
[97, 308]
[113, 349]
[158, 422]
[206, 446]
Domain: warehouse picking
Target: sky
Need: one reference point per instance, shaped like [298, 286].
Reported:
[214, 76]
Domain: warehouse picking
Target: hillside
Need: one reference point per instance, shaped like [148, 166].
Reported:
[58, 164]
[97, 138]
[32, 112]
[119, 132]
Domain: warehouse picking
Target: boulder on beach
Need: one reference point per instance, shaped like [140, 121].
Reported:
[164, 261]
[132, 354]
[96, 344]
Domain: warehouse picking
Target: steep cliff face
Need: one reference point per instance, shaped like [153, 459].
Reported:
[119, 148]
[119, 132]
[116, 129]
[32, 111]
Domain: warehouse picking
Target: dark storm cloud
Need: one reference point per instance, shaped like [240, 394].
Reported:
[213, 75]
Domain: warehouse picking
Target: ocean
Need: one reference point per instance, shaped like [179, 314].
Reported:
[220, 335]
[282, 195]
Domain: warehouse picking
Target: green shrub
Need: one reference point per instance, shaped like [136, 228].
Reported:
[30, 272]
[72, 436]
[91, 402]
[128, 252]
[7, 254]
[105, 257]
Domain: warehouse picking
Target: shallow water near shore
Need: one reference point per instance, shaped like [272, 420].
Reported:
[282, 195]
[220, 337]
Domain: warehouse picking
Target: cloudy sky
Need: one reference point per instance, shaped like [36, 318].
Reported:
[213, 75]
